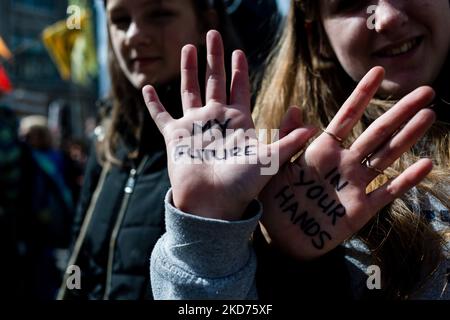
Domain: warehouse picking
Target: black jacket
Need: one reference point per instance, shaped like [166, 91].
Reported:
[126, 222]
[116, 229]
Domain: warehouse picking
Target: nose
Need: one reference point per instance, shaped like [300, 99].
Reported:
[389, 15]
[136, 35]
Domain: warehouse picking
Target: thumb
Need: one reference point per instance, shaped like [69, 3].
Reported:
[291, 144]
[157, 111]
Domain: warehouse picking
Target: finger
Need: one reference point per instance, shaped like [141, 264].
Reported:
[291, 144]
[404, 140]
[215, 69]
[157, 111]
[240, 83]
[292, 120]
[352, 110]
[398, 186]
[386, 125]
[190, 88]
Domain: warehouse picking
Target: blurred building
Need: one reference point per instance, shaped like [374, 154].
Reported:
[38, 87]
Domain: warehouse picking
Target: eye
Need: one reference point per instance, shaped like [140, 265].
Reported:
[121, 21]
[161, 16]
[343, 6]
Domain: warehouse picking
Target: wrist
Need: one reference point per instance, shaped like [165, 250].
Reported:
[210, 208]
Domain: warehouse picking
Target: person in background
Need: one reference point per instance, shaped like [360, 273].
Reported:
[362, 189]
[10, 184]
[331, 45]
[75, 152]
[120, 214]
[46, 223]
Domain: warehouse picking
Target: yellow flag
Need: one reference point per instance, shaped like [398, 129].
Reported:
[4, 51]
[59, 41]
[72, 49]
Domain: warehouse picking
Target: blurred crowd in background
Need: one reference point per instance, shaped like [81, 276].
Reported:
[54, 87]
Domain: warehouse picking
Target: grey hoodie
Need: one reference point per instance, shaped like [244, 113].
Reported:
[199, 258]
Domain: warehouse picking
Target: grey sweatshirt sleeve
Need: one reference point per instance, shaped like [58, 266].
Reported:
[201, 258]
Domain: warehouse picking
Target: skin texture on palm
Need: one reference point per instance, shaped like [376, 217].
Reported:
[219, 188]
[311, 205]
[320, 200]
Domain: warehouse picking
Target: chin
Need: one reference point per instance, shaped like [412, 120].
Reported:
[140, 85]
[395, 89]
[397, 85]
[142, 80]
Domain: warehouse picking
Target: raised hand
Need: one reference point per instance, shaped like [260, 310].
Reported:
[213, 153]
[318, 201]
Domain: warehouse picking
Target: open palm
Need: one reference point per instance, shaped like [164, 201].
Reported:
[318, 201]
[213, 153]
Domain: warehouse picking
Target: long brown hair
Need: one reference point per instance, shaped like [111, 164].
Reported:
[301, 71]
[128, 109]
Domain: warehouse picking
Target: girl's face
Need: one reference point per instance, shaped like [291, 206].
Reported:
[147, 37]
[409, 38]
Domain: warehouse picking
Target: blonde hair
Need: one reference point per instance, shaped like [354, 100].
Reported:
[301, 71]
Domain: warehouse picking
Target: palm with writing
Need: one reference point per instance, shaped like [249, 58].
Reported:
[212, 160]
[315, 203]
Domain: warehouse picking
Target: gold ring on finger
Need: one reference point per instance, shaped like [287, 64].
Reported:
[335, 137]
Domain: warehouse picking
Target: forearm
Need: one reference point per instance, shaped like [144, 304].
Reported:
[200, 258]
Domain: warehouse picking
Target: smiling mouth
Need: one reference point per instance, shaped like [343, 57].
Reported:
[399, 49]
